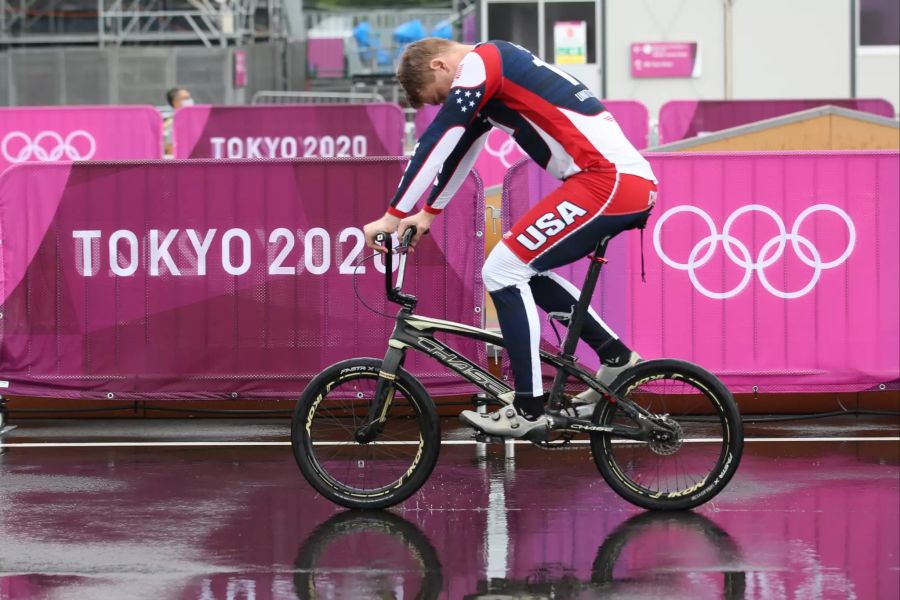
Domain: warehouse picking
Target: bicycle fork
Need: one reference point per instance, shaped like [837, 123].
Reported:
[384, 395]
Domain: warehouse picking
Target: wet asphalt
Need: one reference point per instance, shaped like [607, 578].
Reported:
[811, 518]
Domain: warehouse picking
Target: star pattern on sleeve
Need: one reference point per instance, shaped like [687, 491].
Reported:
[467, 100]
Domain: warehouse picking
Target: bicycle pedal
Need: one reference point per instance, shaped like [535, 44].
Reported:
[484, 438]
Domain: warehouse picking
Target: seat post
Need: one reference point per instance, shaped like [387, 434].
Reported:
[584, 301]
[576, 321]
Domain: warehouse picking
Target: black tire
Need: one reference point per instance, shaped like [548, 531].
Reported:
[383, 472]
[683, 473]
[369, 538]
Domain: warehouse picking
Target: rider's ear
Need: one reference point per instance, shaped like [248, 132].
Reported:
[438, 63]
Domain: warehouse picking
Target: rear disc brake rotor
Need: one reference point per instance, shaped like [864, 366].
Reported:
[667, 442]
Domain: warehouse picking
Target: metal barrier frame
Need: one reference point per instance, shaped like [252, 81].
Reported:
[276, 97]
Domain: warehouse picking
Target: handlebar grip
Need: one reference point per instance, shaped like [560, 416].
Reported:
[394, 292]
[383, 239]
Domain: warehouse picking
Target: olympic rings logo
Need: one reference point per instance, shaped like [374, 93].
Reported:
[770, 252]
[18, 147]
[507, 148]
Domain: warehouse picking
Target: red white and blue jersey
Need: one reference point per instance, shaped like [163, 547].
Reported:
[555, 119]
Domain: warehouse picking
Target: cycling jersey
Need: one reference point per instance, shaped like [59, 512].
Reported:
[556, 120]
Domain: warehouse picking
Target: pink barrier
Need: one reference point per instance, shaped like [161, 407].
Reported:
[67, 133]
[289, 131]
[777, 271]
[680, 119]
[501, 152]
[207, 279]
[325, 57]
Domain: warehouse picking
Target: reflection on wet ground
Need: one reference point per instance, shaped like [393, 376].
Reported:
[801, 519]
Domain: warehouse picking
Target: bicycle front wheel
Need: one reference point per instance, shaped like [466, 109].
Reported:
[377, 474]
[690, 466]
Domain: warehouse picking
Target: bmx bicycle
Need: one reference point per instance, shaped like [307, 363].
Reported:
[365, 433]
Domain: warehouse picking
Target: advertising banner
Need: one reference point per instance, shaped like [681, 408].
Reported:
[194, 279]
[289, 131]
[776, 271]
[70, 133]
[240, 68]
[680, 119]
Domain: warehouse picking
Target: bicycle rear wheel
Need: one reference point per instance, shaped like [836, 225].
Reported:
[696, 462]
[377, 474]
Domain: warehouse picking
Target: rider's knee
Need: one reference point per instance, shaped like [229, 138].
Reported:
[503, 269]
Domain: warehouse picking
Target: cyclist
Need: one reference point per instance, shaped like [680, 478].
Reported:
[607, 187]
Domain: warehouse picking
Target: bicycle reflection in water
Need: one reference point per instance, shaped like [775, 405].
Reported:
[361, 554]
[382, 555]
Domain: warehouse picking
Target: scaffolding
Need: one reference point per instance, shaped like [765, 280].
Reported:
[120, 22]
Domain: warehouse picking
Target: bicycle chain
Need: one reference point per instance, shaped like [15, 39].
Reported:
[563, 442]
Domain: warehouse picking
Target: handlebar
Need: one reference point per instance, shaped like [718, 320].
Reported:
[395, 292]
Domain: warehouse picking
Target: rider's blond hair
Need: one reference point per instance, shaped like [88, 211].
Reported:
[415, 72]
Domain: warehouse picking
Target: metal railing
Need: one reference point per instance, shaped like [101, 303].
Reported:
[115, 22]
[323, 23]
[273, 97]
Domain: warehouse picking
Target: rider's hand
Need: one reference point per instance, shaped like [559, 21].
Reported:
[422, 222]
[387, 224]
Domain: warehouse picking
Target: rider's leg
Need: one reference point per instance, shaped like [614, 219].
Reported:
[517, 289]
[506, 278]
[564, 226]
[553, 293]
[627, 208]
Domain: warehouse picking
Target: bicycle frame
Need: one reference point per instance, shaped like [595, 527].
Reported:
[417, 332]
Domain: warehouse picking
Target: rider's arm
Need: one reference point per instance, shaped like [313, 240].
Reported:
[477, 80]
[457, 166]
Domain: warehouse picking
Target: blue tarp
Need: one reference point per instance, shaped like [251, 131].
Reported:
[443, 30]
[362, 33]
[370, 45]
[408, 32]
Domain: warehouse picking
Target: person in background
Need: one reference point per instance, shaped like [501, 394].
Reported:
[176, 97]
